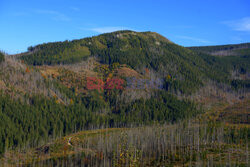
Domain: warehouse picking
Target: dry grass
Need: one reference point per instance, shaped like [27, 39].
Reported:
[127, 72]
[238, 113]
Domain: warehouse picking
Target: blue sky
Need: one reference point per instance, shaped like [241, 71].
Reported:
[186, 22]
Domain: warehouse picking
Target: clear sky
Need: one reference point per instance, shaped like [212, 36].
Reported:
[25, 23]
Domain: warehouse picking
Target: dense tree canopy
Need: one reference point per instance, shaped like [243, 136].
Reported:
[1, 57]
[28, 124]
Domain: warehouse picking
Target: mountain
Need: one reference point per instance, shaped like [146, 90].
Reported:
[119, 79]
[136, 50]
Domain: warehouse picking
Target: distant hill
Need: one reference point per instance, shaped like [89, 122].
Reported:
[235, 58]
[225, 50]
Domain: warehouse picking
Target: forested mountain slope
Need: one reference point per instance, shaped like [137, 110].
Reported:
[140, 78]
[188, 70]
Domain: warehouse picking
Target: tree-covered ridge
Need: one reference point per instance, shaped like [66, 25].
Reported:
[137, 50]
[225, 50]
[228, 61]
[183, 69]
[72, 51]
[56, 53]
[188, 70]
